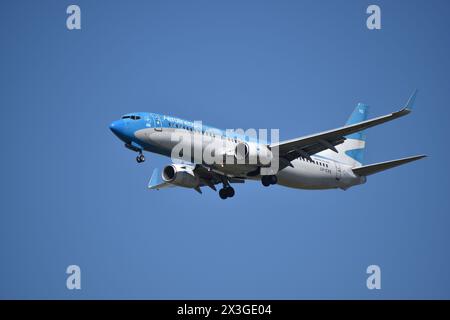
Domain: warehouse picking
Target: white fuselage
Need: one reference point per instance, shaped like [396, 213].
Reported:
[320, 172]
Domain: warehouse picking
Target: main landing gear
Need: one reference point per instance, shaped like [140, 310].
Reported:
[227, 191]
[140, 158]
[268, 180]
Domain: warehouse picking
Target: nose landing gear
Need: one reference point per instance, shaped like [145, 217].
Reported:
[140, 158]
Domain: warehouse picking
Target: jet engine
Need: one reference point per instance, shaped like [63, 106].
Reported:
[252, 153]
[180, 175]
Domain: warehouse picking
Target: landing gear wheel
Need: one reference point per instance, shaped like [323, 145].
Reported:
[140, 158]
[273, 179]
[223, 193]
[230, 192]
[266, 181]
[226, 192]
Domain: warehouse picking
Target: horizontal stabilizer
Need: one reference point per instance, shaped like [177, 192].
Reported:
[378, 167]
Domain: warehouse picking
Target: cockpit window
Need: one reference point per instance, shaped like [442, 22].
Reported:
[131, 117]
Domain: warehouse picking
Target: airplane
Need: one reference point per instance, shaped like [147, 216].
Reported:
[332, 159]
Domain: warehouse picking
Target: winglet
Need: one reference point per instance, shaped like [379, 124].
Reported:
[410, 104]
[154, 180]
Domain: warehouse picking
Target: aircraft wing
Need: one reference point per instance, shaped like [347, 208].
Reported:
[207, 178]
[312, 144]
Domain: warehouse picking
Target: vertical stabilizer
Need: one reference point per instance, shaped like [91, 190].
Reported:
[352, 150]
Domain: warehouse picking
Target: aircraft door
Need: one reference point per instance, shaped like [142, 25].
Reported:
[338, 171]
[158, 124]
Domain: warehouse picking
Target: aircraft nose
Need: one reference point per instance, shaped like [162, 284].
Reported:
[117, 127]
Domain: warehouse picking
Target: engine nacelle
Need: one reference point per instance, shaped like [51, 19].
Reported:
[180, 175]
[252, 153]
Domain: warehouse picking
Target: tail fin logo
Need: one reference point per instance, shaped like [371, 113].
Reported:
[352, 150]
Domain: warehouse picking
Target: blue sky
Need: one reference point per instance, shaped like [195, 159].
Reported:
[71, 194]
